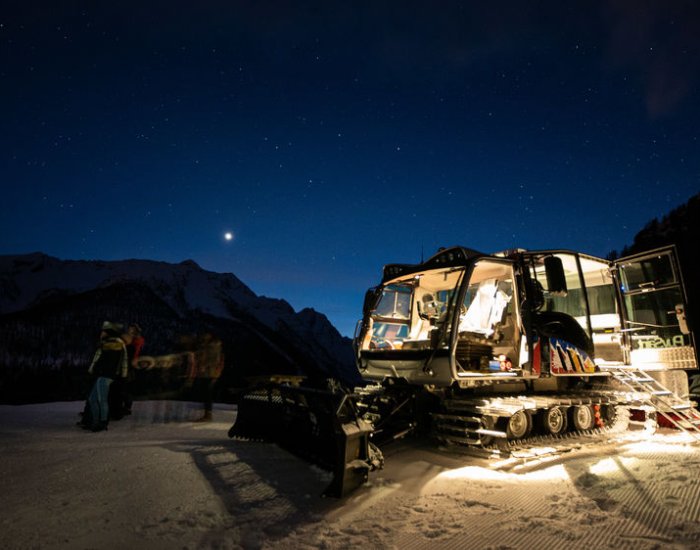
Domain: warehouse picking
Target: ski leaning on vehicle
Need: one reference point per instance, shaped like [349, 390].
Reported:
[480, 350]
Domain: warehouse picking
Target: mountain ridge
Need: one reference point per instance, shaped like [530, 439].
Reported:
[45, 300]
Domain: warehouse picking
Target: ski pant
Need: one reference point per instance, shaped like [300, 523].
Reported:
[119, 398]
[204, 391]
[99, 401]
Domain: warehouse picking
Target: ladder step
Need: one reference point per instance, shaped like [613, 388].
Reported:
[688, 425]
[689, 421]
[689, 417]
[634, 379]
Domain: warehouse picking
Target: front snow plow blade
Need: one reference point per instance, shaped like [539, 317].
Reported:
[322, 427]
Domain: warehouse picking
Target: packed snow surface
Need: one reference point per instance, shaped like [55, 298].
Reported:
[159, 480]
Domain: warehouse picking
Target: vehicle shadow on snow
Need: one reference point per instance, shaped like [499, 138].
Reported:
[265, 490]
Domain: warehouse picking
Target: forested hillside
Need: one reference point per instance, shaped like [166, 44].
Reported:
[680, 227]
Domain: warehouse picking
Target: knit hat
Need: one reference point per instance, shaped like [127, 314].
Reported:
[112, 328]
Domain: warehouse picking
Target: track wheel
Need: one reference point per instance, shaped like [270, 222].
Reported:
[582, 417]
[612, 416]
[519, 425]
[553, 421]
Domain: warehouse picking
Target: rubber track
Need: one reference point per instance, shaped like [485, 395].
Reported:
[532, 446]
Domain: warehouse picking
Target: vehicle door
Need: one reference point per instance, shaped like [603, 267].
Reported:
[653, 301]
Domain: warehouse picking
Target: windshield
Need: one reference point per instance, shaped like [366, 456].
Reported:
[394, 302]
[409, 314]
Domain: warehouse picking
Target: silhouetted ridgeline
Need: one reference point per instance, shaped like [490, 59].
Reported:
[51, 312]
[681, 227]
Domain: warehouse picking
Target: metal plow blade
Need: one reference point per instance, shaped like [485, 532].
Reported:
[322, 427]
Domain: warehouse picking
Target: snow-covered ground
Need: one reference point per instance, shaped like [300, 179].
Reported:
[159, 480]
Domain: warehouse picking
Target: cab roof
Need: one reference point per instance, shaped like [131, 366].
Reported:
[455, 256]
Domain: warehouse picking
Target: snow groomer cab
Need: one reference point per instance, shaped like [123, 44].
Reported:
[464, 319]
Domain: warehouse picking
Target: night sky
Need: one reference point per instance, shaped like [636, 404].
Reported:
[331, 138]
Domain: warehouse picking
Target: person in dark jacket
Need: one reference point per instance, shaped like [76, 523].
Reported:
[209, 362]
[120, 399]
[108, 364]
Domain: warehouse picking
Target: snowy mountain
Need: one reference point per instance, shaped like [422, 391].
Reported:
[30, 279]
[51, 310]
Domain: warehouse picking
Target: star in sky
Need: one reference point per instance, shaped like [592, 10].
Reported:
[337, 130]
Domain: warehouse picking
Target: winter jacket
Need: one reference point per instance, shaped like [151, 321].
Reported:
[133, 349]
[110, 359]
[210, 360]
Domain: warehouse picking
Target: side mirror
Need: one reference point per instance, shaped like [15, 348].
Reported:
[556, 280]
